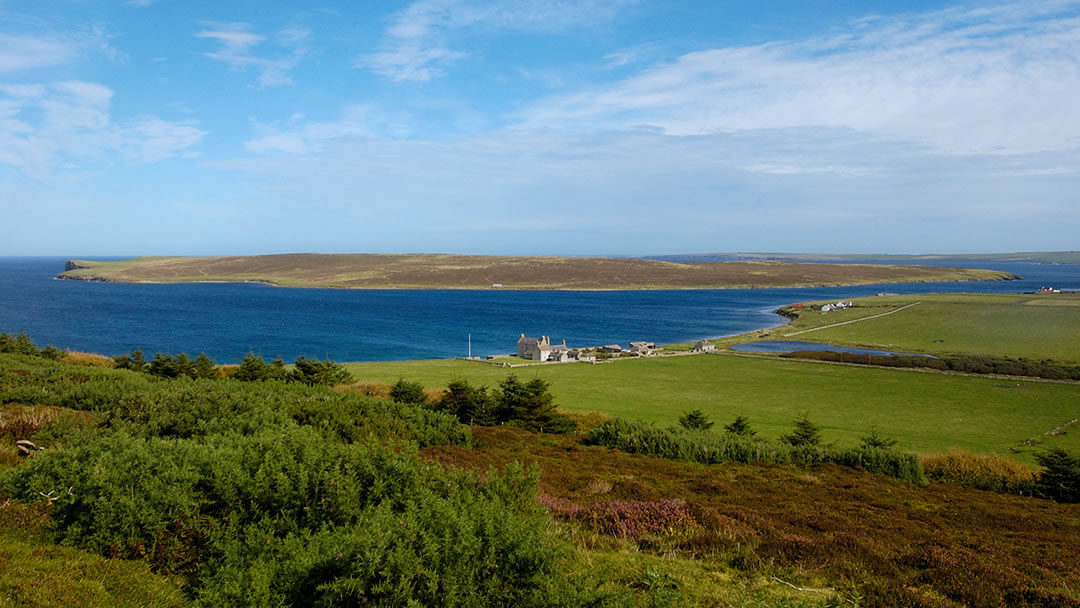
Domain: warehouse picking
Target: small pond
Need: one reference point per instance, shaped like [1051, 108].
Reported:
[790, 346]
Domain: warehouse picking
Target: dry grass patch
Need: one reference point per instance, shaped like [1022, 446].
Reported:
[377, 390]
[22, 421]
[981, 471]
[87, 359]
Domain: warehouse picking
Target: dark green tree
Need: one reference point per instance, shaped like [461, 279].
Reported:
[19, 344]
[806, 433]
[695, 420]
[252, 368]
[138, 361]
[471, 405]
[408, 391]
[163, 366]
[205, 367]
[184, 366]
[1060, 478]
[276, 370]
[313, 371]
[530, 406]
[740, 426]
[873, 440]
[53, 353]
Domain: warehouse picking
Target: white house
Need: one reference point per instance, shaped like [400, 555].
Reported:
[534, 349]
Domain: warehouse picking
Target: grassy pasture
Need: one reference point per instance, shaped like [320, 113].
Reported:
[926, 412]
[434, 271]
[1016, 325]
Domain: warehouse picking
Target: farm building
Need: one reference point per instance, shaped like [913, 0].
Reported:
[703, 346]
[533, 348]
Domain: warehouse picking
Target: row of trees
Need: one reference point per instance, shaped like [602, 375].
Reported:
[253, 368]
[528, 405]
[805, 434]
[20, 344]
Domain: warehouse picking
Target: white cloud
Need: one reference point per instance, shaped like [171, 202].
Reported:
[985, 81]
[237, 42]
[29, 52]
[416, 44]
[68, 124]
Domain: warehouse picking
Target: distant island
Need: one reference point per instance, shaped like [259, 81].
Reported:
[441, 271]
[1036, 257]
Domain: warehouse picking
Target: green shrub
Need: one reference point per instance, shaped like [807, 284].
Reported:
[286, 518]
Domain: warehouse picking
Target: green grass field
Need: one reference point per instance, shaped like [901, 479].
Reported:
[1016, 325]
[926, 412]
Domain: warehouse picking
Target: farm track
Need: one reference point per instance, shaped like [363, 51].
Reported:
[884, 314]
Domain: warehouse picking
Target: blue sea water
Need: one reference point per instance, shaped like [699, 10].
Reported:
[227, 320]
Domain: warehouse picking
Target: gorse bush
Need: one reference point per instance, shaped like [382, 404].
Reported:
[185, 408]
[711, 448]
[284, 517]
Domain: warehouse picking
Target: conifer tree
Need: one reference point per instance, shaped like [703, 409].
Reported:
[741, 427]
[806, 433]
[695, 420]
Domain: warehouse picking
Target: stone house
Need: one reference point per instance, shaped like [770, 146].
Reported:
[534, 349]
[703, 346]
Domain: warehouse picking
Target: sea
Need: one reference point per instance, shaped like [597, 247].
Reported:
[228, 320]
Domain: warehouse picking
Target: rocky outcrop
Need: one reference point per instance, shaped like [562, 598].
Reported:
[73, 265]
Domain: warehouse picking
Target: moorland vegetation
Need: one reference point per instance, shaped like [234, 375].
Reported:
[287, 493]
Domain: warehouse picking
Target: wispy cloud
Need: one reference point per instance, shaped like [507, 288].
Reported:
[68, 124]
[417, 44]
[236, 48]
[23, 52]
[1001, 80]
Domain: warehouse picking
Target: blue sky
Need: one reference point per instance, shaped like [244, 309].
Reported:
[561, 127]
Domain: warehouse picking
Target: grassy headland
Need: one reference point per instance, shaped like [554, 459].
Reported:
[1036, 326]
[431, 271]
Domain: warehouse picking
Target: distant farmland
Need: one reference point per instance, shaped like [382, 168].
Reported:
[424, 271]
